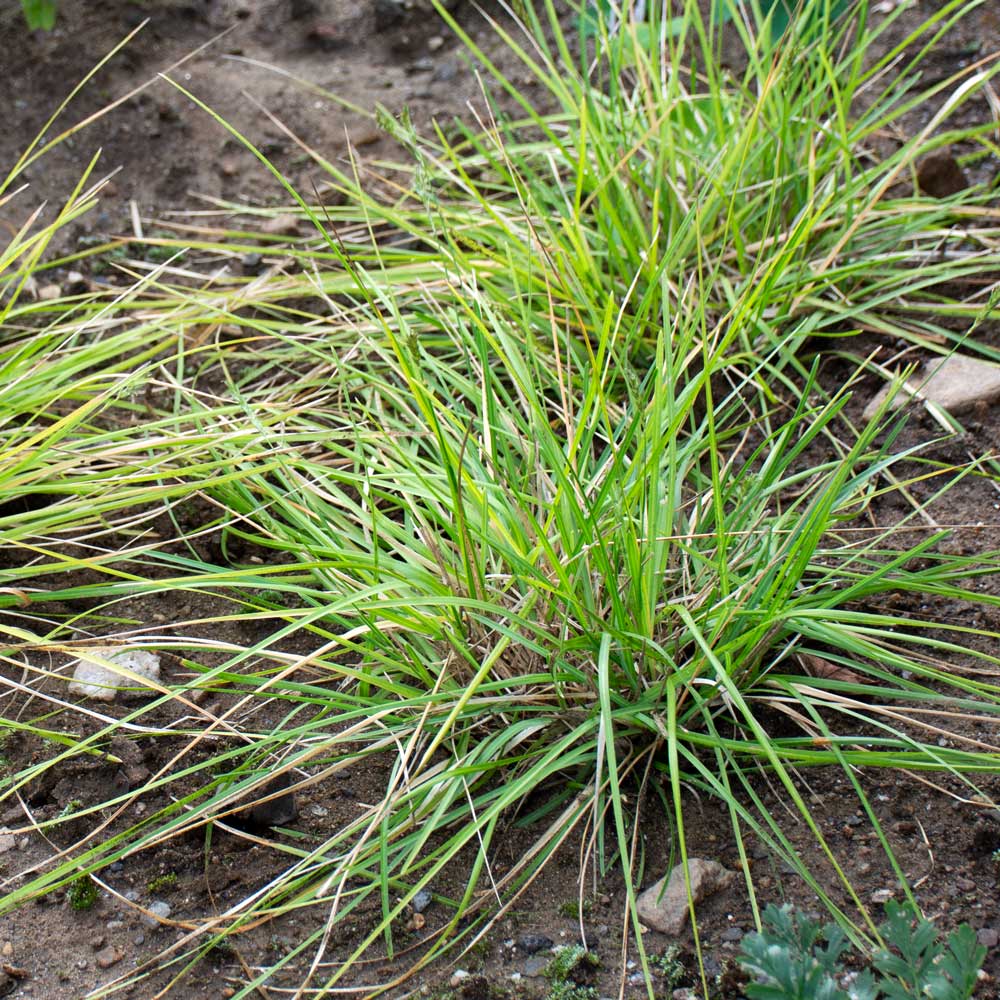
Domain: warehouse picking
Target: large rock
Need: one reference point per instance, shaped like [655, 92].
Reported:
[94, 680]
[956, 384]
[666, 909]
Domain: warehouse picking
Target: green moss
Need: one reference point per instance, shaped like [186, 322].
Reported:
[570, 972]
[571, 908]
[162, 883]
[73, 806]
[669, 966]
[82, 894]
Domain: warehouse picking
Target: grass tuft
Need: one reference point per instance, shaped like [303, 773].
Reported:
[533, 482]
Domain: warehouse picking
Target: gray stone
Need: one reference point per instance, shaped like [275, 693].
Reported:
[988, 937]
[531, 943]
[421, 901]
[956, 384]
[536, 965]
[95, 680]
[664, 906]
[158, 910]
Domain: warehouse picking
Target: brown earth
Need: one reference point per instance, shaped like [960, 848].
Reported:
[174, 156]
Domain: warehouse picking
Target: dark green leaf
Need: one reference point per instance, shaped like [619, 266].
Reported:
[40, 13]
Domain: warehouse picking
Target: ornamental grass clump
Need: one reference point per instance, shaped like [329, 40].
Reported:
[535, 450]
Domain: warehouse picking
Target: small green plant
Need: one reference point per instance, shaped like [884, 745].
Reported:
[668, 964]
[82, 894]
[162, 883]
[71, 807]
[571, 908]
[794, 958]
[39, 13]
[158, 253]
[570, 972]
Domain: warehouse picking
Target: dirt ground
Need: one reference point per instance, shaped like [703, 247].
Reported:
[273, 59]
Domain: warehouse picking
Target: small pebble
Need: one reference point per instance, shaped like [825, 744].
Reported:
[281, 225]
[988, 937]
[536, 965]
[421, 901]
[531, 943]
[109, 956]
[251, 263]
[229, 166]
[456, 979]
[158, 910]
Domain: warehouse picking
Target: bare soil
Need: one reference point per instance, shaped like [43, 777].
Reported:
[171, 155]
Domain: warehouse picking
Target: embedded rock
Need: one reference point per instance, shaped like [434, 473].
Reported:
[956, 384]
[95, 680]
[664, 906]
